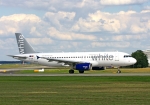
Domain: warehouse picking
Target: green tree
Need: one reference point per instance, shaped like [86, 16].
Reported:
[141, 58]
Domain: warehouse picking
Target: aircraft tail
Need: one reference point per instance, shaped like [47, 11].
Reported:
[23, 45]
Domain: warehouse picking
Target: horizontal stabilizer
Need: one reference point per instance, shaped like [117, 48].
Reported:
[19, 57]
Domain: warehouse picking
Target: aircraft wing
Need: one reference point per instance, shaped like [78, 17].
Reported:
[62, 60]
[18, 57]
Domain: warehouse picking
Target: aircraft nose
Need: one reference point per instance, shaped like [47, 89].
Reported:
[134, 60]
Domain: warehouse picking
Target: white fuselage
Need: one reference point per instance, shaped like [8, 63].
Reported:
[95, 58]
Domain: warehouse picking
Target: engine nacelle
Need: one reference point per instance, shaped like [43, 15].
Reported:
[83, 66]
[98, 68]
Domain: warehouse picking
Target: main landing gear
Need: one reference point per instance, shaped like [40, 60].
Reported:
[71, 71]
[119, 71]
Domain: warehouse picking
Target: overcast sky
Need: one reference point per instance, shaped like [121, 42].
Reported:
[75, 25]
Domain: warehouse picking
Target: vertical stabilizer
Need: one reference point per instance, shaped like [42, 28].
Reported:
[23, 45]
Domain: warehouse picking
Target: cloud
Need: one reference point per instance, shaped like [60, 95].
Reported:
[136, 29]
[77, 25]
[128, 37]
[121, 2]
[53, 5]
[111, 44]
[122, 22]
[56, 5]
[147, 7]
[98, 21]
[7, 43]
[61, 15]
[62, 26]
[145, 11]
[17, 22]
[39, 41]
[59, 19]
[52, 32]
[96, 29]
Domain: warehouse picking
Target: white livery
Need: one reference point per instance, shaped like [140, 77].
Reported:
[80, 61]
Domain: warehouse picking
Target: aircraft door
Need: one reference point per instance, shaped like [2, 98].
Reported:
[116, 56]
[33, 58]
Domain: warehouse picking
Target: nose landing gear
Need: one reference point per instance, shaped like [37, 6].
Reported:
[119, 71]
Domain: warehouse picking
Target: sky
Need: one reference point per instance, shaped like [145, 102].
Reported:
[75, 25]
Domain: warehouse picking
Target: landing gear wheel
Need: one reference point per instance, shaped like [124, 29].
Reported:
[81, 71]
[71, 71]
[119, 71]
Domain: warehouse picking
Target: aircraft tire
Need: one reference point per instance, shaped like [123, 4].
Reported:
[71, 71]
[119, 71]
[81, 71]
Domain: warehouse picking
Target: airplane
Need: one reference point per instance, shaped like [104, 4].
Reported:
[81, 61]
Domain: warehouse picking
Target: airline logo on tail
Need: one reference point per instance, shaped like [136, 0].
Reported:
[21, 44]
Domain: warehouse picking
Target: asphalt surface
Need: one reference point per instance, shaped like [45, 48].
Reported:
[11, 72]
[106, 74]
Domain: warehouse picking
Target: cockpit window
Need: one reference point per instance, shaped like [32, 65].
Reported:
[126, 56]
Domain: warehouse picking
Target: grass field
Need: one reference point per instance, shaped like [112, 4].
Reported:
[75, 90]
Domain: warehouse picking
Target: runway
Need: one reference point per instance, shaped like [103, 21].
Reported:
[98, 75]
[12, 72]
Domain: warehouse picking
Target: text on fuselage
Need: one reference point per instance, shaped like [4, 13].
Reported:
[102, 57]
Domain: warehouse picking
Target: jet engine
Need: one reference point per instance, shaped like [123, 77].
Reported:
[83, 66]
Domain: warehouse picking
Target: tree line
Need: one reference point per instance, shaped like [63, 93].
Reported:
[141, 58]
